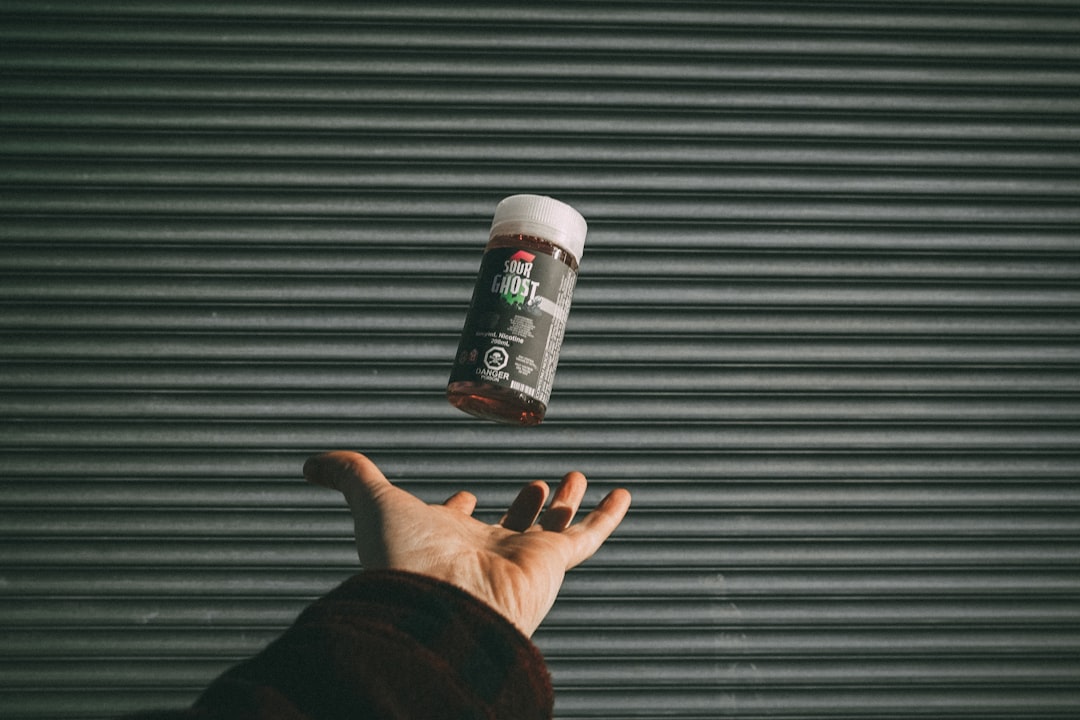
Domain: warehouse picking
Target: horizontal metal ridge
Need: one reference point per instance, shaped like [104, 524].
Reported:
[852, 642]
[255, 465]
[201, 262]
[889, 125]
[151, 491]
[599, 584]
[683, 352]
[734, 75]
[1043, 185]
[422, 33]
[408, 149]
[1006, 16]
[129, 673]
[889, 325]
[717, 523]
[918, 212]
[830, 671]
[185, 614]
[738, 643]
[856, 702]
[466, 233]
[692, 407]
[282, 550]
[1030, 565]
[687, 295]
[444, 424]
[376, 378]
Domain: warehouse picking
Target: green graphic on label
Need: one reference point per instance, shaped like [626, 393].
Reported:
[514, 284]
[516, 322]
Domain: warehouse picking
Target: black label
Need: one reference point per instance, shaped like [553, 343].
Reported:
[516, 321]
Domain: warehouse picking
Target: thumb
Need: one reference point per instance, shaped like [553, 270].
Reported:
[362, 484]
[350, 473]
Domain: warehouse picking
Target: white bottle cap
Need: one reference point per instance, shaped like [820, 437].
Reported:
[543, 217]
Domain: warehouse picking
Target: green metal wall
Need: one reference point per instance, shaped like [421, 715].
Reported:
[826, 331]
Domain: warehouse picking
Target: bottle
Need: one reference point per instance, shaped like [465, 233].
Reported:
[505, 363]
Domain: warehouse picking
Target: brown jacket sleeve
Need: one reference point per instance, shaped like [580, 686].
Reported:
[387, 645]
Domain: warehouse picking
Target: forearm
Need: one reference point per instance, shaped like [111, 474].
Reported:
[390, 645]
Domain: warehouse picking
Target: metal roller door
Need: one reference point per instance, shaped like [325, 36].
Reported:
[826, 331]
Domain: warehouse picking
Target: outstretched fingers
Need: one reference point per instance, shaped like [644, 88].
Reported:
[523, 512]
[587, 536]
[464, 502]
[564, 503]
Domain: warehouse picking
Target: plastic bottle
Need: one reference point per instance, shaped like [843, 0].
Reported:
[509, 348]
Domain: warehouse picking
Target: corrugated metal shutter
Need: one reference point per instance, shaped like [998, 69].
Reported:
[826, 331]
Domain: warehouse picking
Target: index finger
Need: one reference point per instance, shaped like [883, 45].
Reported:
[587, 536]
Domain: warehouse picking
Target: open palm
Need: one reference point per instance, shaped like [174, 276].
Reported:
[516, 566]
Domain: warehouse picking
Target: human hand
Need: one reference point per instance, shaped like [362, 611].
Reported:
[516, 566]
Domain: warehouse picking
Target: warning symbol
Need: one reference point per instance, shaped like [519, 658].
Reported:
[496, 358]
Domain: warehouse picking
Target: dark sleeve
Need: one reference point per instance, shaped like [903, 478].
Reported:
[387, 645]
